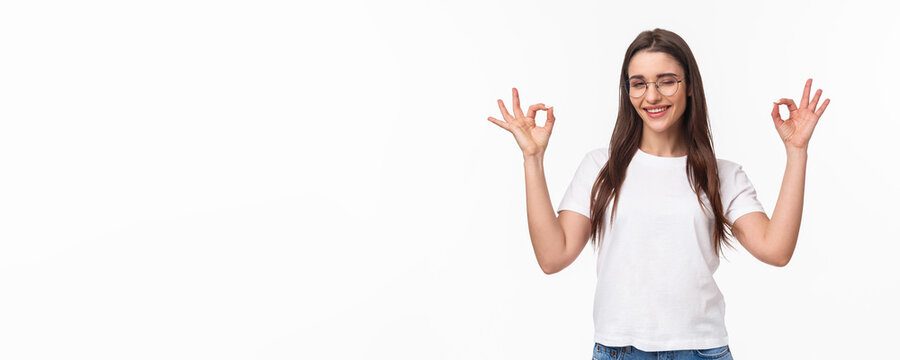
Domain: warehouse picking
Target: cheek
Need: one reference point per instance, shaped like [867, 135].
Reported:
[682, 106]
[681, 111]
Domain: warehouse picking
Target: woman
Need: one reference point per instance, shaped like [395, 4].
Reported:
[659, 204]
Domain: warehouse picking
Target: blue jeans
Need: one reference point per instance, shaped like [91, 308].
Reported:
[603, 352]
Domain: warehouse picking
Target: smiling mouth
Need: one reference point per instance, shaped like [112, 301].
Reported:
[659, 113]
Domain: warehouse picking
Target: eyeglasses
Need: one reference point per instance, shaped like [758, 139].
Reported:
[667, 85]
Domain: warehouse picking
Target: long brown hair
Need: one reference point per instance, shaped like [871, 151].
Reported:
[702, 170]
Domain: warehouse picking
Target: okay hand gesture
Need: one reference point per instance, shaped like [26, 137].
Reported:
[532, 139]
[798, 128]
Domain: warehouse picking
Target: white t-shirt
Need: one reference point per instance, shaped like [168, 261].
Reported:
[655, 287]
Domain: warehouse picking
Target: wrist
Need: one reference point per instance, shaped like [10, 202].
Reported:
[796, 152]
[536, 157]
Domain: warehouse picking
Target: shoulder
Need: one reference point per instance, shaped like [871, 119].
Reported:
[731, 174]
[727, 166]
[599, 156]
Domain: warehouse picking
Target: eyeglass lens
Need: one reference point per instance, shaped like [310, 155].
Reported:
[667, 86]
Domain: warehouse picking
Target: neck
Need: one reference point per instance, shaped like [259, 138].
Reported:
[668, 144]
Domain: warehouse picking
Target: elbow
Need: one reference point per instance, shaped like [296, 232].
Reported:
[786, 258]
[782, 262]
[548, 269]
[781, 255]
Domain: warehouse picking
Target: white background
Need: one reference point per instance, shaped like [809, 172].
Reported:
[319, 180]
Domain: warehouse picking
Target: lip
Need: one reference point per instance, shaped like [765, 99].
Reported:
[659, 114]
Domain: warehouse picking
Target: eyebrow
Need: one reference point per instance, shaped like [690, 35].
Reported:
[658, 75]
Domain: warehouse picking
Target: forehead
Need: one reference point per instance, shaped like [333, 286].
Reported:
[650, 65]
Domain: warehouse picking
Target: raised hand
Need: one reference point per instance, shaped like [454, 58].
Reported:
[532, 139]
[798, 128]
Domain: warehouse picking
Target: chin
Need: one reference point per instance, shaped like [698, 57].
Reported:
[658, 125]
[659, 129]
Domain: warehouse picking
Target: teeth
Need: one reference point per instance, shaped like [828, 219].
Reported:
[658, 110]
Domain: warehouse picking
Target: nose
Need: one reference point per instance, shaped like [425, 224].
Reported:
[652, 93]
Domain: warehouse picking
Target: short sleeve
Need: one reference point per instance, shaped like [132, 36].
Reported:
[577, 197]
[738, 193]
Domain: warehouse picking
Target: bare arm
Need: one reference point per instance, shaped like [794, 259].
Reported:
[773, 241]
[547, 236]
[784, 227]
[557, 241]
[548, 233]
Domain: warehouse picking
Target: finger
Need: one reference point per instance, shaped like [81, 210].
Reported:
[815, 101]
[499, 123]
[822, 108]
[503, 111]
[804, 101]
[550, 120]
[532, 110]
[516, 108]
[790, 104]
[776, 116]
